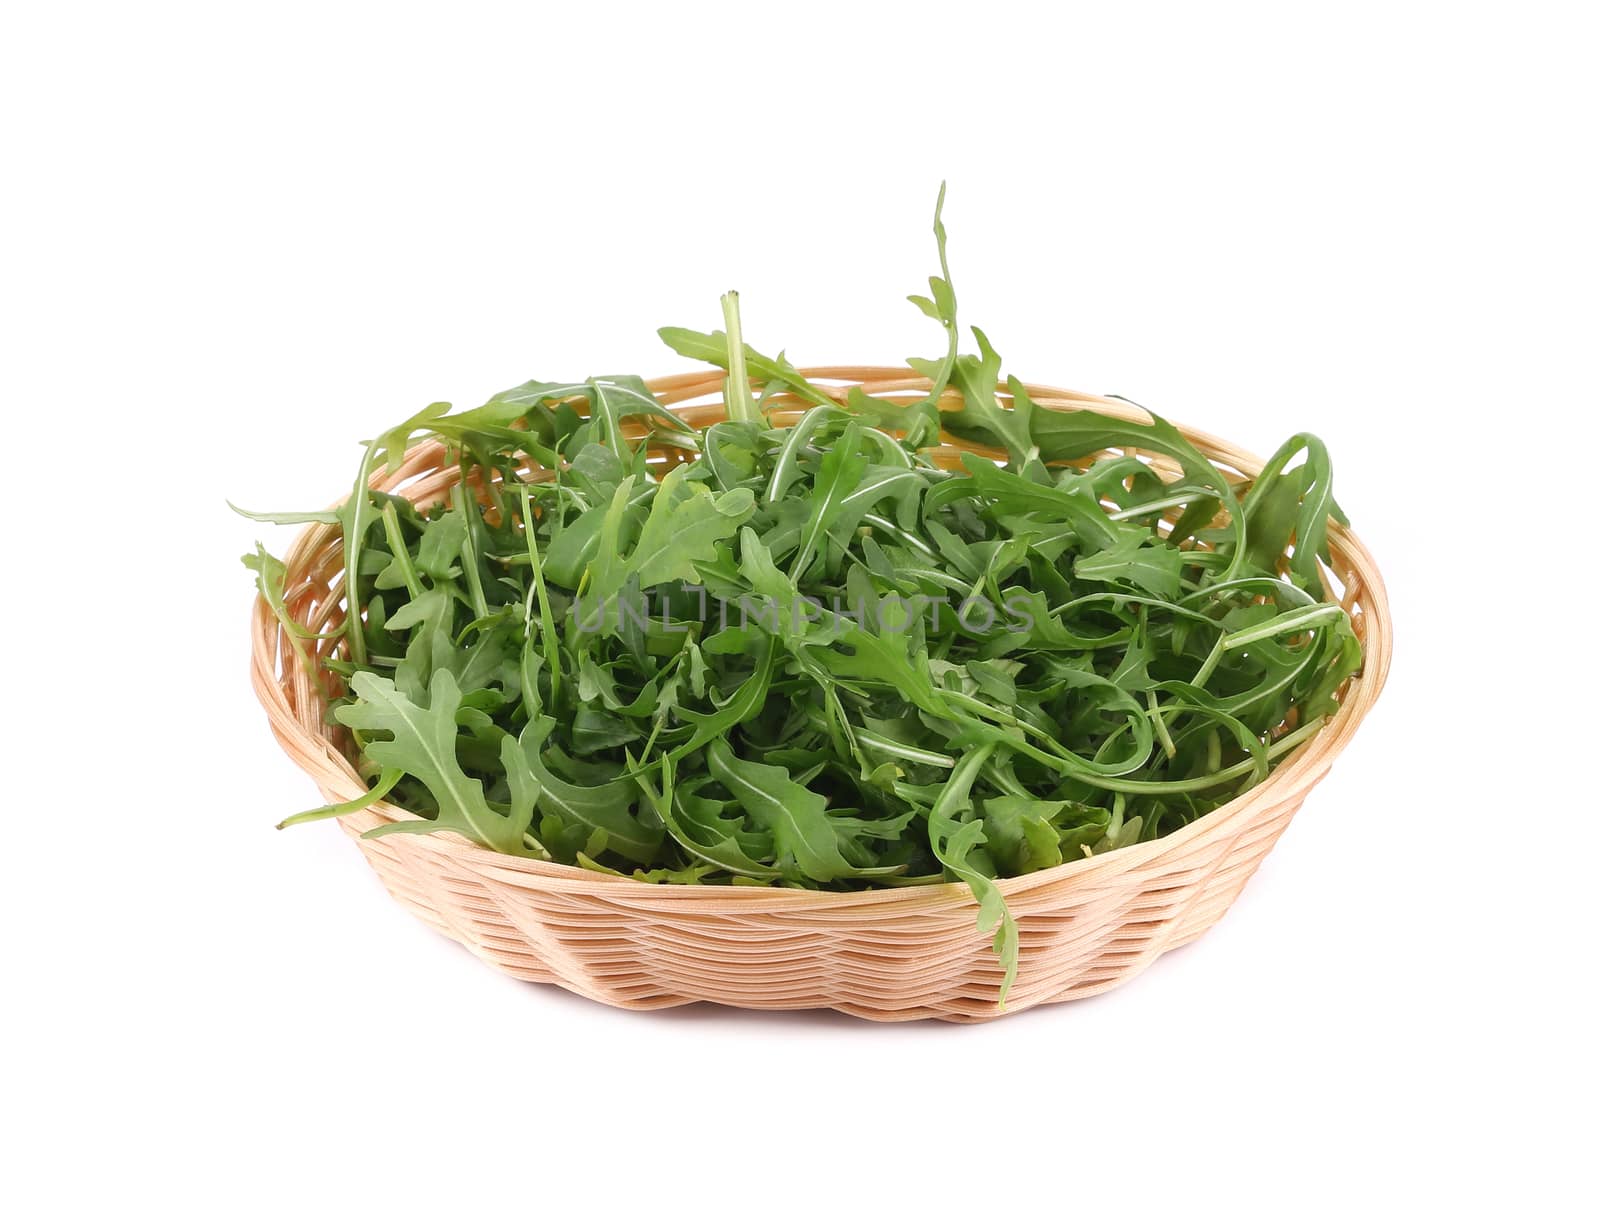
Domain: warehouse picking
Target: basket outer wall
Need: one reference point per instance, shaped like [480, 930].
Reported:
[888, 954]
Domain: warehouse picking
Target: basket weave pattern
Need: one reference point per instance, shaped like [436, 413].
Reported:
[887, 954]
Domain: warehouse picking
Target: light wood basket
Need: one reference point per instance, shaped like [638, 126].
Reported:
[885, 954]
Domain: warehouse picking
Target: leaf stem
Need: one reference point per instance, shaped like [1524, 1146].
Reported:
[355, 530]
[385, 784]
[1201, 782]
[741, 407]
[895, 749]
[1283, 624]
[1156, 718]
[1209, 665]
[469, 550]
[397, 548]
[547, 620]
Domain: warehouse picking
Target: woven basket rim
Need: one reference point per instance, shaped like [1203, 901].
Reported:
[1299, 771]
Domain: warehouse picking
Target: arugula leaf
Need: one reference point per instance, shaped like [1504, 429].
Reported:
[718, 841]
[270, 575]
[1020, 834]
[940, 305]
[605, 807]
[713, 349]
[1009, 492]
[953, 841]
[978, 378]
[422, 742]
[838, 475]
[796, 817]
[685, 524]
[617, 398]
[1137, 559]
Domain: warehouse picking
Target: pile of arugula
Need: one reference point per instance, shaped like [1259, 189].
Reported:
[808, 656]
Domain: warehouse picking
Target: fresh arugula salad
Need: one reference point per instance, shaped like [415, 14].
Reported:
[829, 655]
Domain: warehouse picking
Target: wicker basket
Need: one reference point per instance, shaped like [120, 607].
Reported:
[888, 954]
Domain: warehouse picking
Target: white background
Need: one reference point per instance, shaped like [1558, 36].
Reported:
[240, 239]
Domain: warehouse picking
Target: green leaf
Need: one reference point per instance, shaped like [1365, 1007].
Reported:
[685, 524]
[713, 349]
[617, 398]
[978, 378]
[422, 743]
[1010, 493]
[1137, 559]
[573, 549]
[840, 473]
[270, 574]
[786, 469]
[328, 517]
[361, 803]
[608, 571]
[1068, 435]
[715, 840]
[953, 840]
[605, 807]
[1296, 504]
[1019, 833]
[744, 703]
[796, 817]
